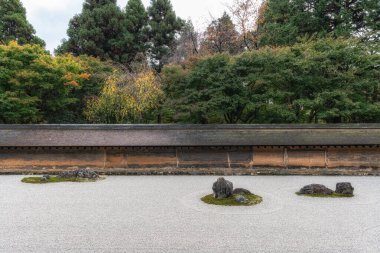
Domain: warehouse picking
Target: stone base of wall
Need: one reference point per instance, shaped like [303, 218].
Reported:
[206, 171]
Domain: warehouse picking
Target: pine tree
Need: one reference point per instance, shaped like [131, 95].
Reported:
[98, 31]
[14, 25]
[163, 28]
[136, 22]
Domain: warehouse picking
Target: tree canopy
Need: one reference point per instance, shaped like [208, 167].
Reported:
[322, 81]
[282, 61]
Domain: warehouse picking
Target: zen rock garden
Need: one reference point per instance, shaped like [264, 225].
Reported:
[225, 195]
[78, 175]
[317, 190]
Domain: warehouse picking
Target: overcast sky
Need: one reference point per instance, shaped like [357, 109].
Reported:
[50, 18]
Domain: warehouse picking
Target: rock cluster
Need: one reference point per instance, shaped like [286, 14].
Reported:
[80, 173]
[224, 189]
[341, 188]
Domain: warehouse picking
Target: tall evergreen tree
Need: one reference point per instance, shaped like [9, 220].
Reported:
[287, 20]
[163, 27]
[136, 22]
[98, 31]
[14, 25]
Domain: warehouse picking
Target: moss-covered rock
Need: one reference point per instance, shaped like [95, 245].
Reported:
[56, 179]
[252, 199]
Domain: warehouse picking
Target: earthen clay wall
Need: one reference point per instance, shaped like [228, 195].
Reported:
[292, 160]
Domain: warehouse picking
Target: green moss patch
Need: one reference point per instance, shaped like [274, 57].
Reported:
[55, 179]
[334, 195]
[231, 201]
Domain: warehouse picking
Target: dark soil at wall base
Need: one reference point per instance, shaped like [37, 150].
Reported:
[205, 171]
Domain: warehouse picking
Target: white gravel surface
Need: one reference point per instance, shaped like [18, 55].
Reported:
[164, 214]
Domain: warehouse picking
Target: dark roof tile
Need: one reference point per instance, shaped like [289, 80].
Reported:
[187, 135]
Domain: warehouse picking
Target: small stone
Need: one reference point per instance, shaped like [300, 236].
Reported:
[222, 188]
[47, 177]
[241, 191]
[316, 189]
[344, 188]
[241, 199]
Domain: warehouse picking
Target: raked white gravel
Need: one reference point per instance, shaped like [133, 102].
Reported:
[164, 214]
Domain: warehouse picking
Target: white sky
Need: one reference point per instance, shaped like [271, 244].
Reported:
[50, 18]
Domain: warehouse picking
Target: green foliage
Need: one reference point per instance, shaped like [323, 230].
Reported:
[286, 21]
[322, 81]
[207, 94]
[14, 25]
[36, 87]
[163, 27]
[98, 31]
[333, 78]
[231, 201]
[99, 72]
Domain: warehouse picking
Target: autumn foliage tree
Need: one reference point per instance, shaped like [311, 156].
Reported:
[126, 98]
[36, 87]
[221, 36]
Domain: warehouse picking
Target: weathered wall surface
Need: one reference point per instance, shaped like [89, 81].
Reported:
[192, 149]
[293, 160]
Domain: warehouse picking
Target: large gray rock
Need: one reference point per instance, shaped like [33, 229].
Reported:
[80, 173]
[222, 188]
[241, 191]
[344, 188]
[316, 189]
